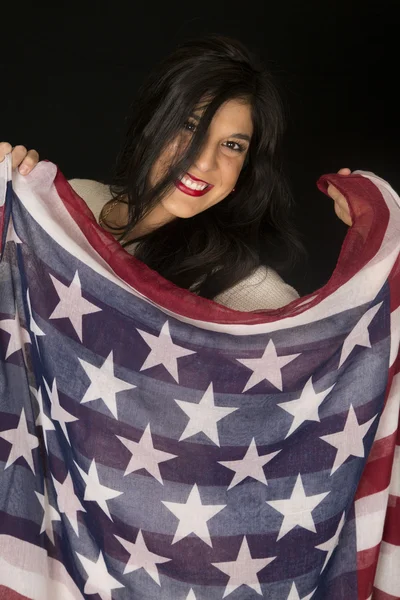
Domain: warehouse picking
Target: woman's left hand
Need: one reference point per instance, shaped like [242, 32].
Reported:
[341, 206]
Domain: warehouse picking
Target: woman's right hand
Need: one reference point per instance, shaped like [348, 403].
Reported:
[25, 159]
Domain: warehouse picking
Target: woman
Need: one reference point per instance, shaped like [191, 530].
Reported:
[198, 192]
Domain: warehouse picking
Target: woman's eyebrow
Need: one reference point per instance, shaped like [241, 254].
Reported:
[241, 136]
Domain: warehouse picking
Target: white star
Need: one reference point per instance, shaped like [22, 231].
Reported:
[297, 509]
[104, 384]
[12, 235]
[204, 416]
[95, 491]
[251, 465]
[163, 351]
[145, 456]
[42, 419]
[294, 594]
[330, 545]
[141, 558]
[67, 501]
[349, 441]
[268, 367]
[57, 412]
[72, 305]
[193, 516]
[99, 580]
[243, 570]
[191, 595]
[19, 336]
[306, 407]
[50, 514]
[32, 323]
[22, 442]
[359, 336]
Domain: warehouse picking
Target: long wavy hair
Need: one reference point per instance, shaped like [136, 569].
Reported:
[211, 251]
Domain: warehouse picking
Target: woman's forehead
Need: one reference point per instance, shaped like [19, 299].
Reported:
[236, 110]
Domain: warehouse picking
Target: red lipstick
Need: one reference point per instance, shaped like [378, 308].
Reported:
[196, 178]
[186, 190]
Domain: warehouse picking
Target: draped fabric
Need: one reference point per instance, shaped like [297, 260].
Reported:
[155, 445]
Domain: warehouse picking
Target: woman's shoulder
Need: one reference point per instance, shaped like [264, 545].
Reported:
[94, 193]
[262, 290]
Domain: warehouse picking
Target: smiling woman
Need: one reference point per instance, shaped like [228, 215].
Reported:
[198, 191]
[216, 168]
[213, 175]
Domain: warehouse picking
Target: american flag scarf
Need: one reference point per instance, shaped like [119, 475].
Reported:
[155, 445]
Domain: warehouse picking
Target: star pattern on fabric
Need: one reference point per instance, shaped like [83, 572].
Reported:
[67, 501]
[251, 465]
[50, 514]
[12, 235]
[294, 594]
[268, 367]
[99, 580]
[203, 417]
[330, 545]
[19, 336]
[243, 570]
[163, 351]
[359, 336]
[104, 384]
[33, 326]
[306, 407]
[42, 419]
[191, 595]
[57, 412]
[94, 490]
[297, 509]
[22, 442]
[349, 441]
[145, 456]
[193, 516]
[140, 557]
[72, 304]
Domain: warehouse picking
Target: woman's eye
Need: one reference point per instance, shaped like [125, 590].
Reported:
[189, 126]
[235, 146]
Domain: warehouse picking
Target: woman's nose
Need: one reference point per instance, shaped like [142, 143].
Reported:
[207, 158]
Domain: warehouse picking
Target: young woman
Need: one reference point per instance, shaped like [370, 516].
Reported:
[198, 191]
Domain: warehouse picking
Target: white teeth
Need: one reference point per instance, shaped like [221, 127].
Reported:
[192, 184]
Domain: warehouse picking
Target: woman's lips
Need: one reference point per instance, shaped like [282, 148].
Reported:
[186, 190]
[191, 192]
[197, 179]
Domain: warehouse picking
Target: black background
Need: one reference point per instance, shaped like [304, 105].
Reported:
[68, 76]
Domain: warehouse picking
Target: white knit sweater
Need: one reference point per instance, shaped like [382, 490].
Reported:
[264, 289]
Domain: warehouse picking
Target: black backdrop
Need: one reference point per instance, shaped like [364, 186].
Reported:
[68, 77]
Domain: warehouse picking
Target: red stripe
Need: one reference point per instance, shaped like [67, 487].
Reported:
[391, 532]
[7, 594]
[383, 448]
[367, 561]
[394, 282]
[376, 476]
[378, 595]
[377, 472]
[361, 244]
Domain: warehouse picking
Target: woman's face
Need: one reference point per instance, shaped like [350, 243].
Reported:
[214, 173]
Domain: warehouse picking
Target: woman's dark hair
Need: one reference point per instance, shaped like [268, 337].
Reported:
[211, 251]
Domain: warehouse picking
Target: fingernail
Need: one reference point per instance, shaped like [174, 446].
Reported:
[24, 170]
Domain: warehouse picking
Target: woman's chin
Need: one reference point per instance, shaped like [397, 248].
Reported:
[179, 209]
